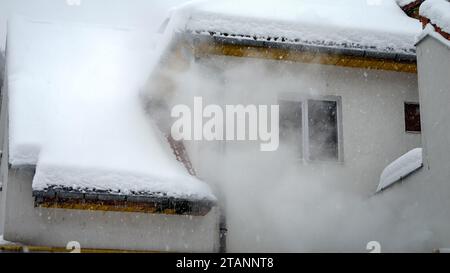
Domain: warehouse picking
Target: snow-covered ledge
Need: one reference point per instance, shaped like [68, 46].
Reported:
[437, 14]
[400, 168]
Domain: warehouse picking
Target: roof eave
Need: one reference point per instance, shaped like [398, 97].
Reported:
[348, 51]
[322, 54]
[142, 202]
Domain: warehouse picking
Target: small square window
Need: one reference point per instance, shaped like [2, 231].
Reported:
[412, 117]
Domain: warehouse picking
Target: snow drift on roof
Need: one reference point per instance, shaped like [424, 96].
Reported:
[75, 111]
[438, 11]
[400, 168]
[378, 25]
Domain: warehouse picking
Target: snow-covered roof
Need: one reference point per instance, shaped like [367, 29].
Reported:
[438, 12]
[377, 25]
[75, 111]
[400, 168]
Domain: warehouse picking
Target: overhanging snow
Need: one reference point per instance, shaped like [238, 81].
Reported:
[348, 24]
[400, 168]
[75, 111]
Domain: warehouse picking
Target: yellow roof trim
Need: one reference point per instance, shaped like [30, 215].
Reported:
[235, 50]
[118, 207]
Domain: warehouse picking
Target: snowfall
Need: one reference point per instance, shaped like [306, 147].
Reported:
[74, 101]
[74, 92]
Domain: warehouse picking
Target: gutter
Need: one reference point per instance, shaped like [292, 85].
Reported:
[282, 43]
[90, 199]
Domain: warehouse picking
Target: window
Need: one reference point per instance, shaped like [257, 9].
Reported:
[412, 117]
[291, 132]
[313, 126]
[323, 131]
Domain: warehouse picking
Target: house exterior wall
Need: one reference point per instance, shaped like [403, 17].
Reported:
[434, 85]
[1, 212]
[263, 191]
[422, 199]
[4, 149]
[31, 225]
[21, 221]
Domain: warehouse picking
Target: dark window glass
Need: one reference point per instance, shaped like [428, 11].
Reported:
[291, 123]
[323, 130]
[412, 117]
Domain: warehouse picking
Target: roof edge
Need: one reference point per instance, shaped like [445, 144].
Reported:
[67, 198]
[350, 51]
[429, 31]
[282, 43]
[401, 179]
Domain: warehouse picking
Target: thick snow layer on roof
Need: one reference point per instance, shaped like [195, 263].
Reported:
[379, 24]
[400, 168]
[438, 11]
[75, 111]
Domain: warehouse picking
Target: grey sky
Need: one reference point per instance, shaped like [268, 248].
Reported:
[139, 13]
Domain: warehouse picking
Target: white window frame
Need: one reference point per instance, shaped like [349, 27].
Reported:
[303, 99]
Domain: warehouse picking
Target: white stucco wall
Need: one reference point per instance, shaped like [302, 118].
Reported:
[434, 85]
[104, 230]
[4, 149]
[275, 202]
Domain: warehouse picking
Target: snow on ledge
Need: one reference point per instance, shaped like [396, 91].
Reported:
[430, 31]
[438, 12]
[400, 168]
